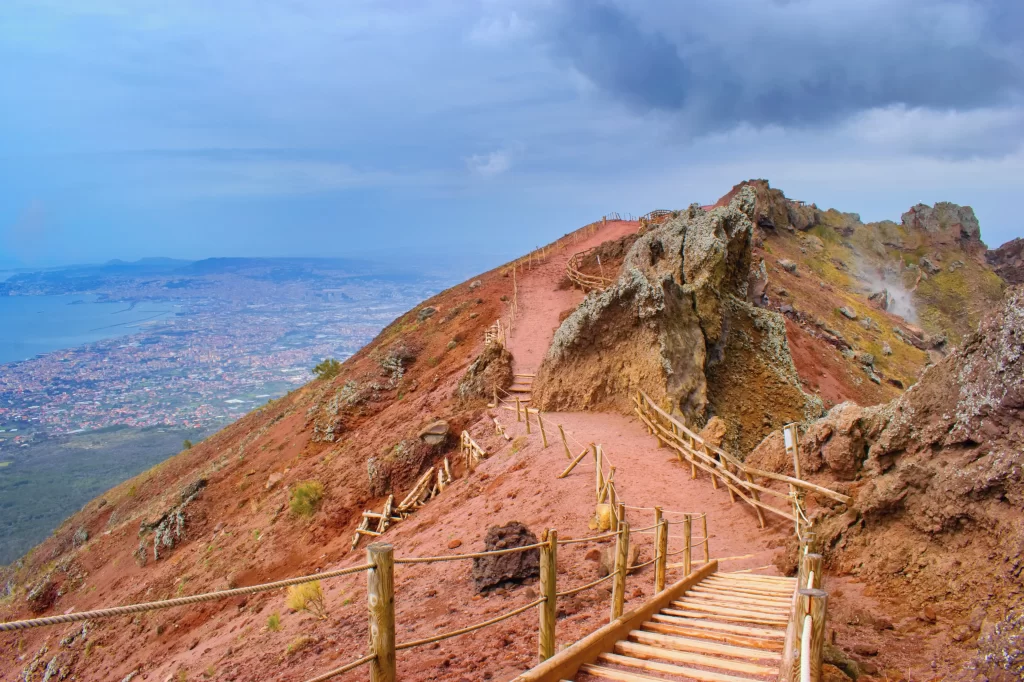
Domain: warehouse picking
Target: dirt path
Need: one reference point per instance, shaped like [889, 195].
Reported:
[541, 302]
[627, 445]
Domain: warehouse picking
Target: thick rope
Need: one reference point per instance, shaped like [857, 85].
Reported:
[471, 628]
[171, 603]
[344, 669]
[475, 555]
[594, 538]
[575, 590]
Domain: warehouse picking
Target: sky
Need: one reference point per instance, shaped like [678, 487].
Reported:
[481, 128]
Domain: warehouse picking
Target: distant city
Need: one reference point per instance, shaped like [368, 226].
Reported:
[209, 341]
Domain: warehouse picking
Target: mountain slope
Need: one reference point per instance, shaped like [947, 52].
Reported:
[357, 435]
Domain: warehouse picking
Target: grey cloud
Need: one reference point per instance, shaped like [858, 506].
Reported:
[803, 62]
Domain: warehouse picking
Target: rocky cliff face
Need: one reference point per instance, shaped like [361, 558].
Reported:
[937, 478]
[1008, 261]
[677, 311]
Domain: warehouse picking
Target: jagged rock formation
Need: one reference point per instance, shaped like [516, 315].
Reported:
[946, 223]
[677, 310]
[492, 368]
[1008, 261]
[936, 474]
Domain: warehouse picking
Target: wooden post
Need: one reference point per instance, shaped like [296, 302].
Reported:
[519, 417]
[818, 602]
[598, 471]
[565, 443]
[810, 603]
[543, 436]
[621, 560]
[812, 571]
[613, 503]
[380, 597]
[572, 465]
[687, 548]
[526, 415]
[707, 540]
[495, 388]
[548, 588]
[661, 554]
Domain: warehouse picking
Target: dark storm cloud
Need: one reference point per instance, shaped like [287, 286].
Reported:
[793, 63]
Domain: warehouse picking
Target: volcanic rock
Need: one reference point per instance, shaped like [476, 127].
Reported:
[492, 368]
[490, 571]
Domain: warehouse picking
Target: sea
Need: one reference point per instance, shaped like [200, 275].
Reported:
[32, 325]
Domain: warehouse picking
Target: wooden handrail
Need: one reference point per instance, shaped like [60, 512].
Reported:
[720, 464]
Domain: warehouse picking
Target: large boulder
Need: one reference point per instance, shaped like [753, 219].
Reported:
[492, 571]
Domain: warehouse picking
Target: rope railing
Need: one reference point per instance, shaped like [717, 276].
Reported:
[582, 588]
[331, 674]
[115, 611]
[463, 557]
[469, 628]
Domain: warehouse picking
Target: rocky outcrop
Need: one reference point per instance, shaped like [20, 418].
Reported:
[947, 224]
[936, 475]
[1008, 261]
[492, 368]
[492, 571]
[676, 311]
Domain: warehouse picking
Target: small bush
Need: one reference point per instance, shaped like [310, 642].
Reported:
[308, 597]
[306, 498]
[187, 445]
[274, 622]
[518, 444]
[327, 369]
[298, 644]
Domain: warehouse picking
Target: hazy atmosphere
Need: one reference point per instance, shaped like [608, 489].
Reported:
[195, 129]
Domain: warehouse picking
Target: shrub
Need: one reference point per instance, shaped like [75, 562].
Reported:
[298, 644]
[518, 444]
[187, 445]
[274, 622]
[327, 369]
[308, 597]
[306, 498]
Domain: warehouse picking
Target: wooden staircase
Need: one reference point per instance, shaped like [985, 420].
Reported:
[729, 627]
[522, 388]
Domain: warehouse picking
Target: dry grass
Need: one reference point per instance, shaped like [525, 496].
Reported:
[308, 597]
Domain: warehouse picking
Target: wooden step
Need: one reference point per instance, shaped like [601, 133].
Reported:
[748, 612]
[519, 389]
[531, 376]
[654, 653]
[655, 666]
[714, 636]
[716, 626]
[759, 589]
[678, 643]
[739, 598]
[754, 577]
[712, 591]
[717, 616]
[754, 609]
[764, 580]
